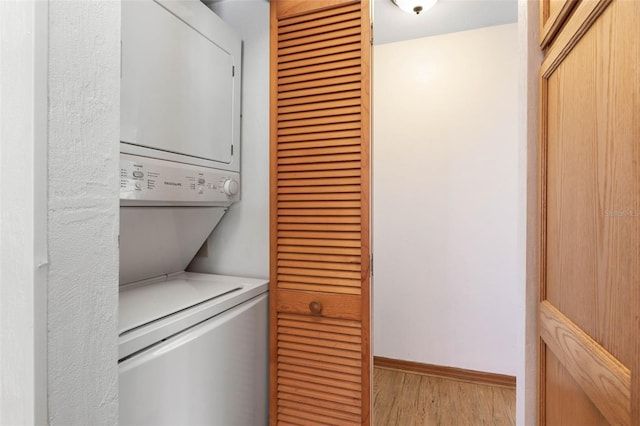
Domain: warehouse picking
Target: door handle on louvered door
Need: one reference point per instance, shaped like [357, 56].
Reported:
[315, 308]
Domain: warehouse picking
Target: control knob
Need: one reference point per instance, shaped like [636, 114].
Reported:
[230, 187]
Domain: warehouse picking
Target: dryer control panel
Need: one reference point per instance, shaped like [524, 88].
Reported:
[149, 181]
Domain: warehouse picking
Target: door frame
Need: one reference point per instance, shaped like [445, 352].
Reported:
[24, 276]
[528, 104]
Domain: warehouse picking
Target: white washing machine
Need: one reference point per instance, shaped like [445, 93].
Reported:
[193, 351]
[193, 348]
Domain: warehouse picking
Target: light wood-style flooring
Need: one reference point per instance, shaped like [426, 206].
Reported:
[408, 399]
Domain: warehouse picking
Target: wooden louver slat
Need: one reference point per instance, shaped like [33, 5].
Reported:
[338, 41]
[350, 76]
[290, 141]
[336, 34]
[319, 112]
[350, 260]
[317, 175]
[319, 128]
[323, 54]
[320, 19]
[312, 189]
[320, 360]
[319, 93]
[328, 26]
[324, 408]
[325, 66]
[305, 66]
[332, 153]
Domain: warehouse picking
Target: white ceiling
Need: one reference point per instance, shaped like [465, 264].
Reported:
[447, 16]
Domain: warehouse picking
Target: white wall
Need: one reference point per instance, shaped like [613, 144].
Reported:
[59, 110]
[240, 243]
[23, 212]
[446, 287]
[84, 122]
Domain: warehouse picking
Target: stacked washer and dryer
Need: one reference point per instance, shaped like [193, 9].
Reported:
[193, 347]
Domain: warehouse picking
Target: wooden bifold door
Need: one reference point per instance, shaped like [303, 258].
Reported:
[589, 311]
[320, 362]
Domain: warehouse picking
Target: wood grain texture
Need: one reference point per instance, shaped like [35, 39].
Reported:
[274, 143]
[541, 247]
[566, 403]
[605, 380]
[553, 13]
[590, 210]
[582, 19]
[311, 218]
[293, 9]
[593, 256]
[366, 43]
[319, 361]
[402, 399]
[452, 373]
[334, 305]
[319, 225]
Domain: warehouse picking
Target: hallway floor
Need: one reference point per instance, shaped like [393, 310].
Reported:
[407, 399]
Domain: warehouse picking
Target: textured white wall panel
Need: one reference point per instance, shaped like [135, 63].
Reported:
[84, 102]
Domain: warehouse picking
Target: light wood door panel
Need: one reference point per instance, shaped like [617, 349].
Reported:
[553, 14]
[589, 314]
[566, 403]
[320, 275]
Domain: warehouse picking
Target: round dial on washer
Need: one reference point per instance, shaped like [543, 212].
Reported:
[230, 187]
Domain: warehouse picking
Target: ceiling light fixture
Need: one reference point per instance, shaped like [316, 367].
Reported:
[415, 6]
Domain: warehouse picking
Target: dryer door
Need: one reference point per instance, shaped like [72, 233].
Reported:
[180, 85]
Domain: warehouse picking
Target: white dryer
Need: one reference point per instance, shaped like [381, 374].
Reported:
[193, 347]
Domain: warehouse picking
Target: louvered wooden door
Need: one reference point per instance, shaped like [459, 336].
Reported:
[320, 276]
[589, 311]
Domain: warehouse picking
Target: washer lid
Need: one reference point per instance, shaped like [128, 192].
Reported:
[142, 304]
[153, 310]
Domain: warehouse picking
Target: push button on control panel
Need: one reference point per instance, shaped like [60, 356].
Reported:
[137, 174]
